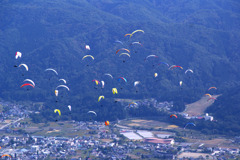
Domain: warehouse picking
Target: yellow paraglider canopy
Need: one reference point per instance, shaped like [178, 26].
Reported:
[114, 90]
[100, 97]
[57, 110]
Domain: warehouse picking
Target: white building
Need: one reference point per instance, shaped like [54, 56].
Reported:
[208, 118]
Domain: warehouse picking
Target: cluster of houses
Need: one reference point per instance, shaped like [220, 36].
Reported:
[162, 106]
[101, 143]
[39, 147]
[12, 111]
[205, 117]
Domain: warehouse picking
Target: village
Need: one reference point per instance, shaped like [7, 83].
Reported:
[21, 139]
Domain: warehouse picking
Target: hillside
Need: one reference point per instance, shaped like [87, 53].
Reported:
[198, 108]
[201, 35]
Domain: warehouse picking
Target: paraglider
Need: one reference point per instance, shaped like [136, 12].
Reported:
[106, 123]
[136, 32]
[29, 80]
[107, 74]
[92, 112]
[164, 63]
[136, 43]
[50, 69]
[136, 83]
[63, 86]
[96, 81]
[87, 47]
[69, 107]
[189, 124]
[6, 155]
[122, 79]
[57, 110]
[122, 49]
[208, 95]
[56, 93]
[151, 56]
[24, 65]
[211, 88]
[103, 83]
[125, 54]
[132, 103]
[18, 54]
[180, 83]
[63, 80]
[88, 56]
[174, 66]
[173, 115]
[128, 34]
[100, 97]
[211, 98]
[27, 84]
[188, 70]
[114, 91]
[117, 41]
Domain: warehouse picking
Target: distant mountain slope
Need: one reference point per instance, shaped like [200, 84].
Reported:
[201, 35]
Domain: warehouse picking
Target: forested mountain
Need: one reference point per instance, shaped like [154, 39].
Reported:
[198, 34]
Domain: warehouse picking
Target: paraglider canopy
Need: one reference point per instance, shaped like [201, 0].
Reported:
[180, 83]
[56, 92]
[64, 81]
[107, 74]
[212, 88]
[189, 124]
[114, 90]
[138, 30]
[106, 123]
[122, 79]
[70, 107]
[173, 115]
[18, 54]
[87, 47]
[122, 49]
[64, 86]
[100, 97]
[88, 56]
[211, 98]
[93, 112]
[24, 65]
[57, 110]
[6, 155]
[29, 80]
[188, 70]
[50, 69]
[136, 83]
[27, 84]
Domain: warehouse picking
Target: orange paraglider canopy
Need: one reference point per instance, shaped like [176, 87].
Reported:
[106, 123]
[173, 115]
[6, 155]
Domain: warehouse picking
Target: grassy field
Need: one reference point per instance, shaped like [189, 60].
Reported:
[193, 155]
[147, 124]
[198, 107]
[65, 129]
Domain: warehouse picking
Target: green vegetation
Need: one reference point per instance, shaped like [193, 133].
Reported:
[201, 35]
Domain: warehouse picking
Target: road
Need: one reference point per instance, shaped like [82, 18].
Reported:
[11, 123]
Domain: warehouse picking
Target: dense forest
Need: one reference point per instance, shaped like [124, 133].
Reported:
[201, 35]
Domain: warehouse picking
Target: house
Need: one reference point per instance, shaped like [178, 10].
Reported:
[208, 118]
